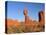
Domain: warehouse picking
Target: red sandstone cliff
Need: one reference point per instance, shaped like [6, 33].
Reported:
[11, 22]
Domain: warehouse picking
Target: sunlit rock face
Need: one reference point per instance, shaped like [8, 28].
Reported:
[11, 23]
[41, 18]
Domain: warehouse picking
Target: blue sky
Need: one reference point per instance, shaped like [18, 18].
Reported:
[33, 9]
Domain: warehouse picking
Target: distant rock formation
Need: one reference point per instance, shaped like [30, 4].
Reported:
[11, 22]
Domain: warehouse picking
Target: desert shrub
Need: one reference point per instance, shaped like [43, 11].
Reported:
[22, 29]
[14, 29]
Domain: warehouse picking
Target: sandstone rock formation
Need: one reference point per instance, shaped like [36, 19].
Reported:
[29, 23]
[41, 18]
